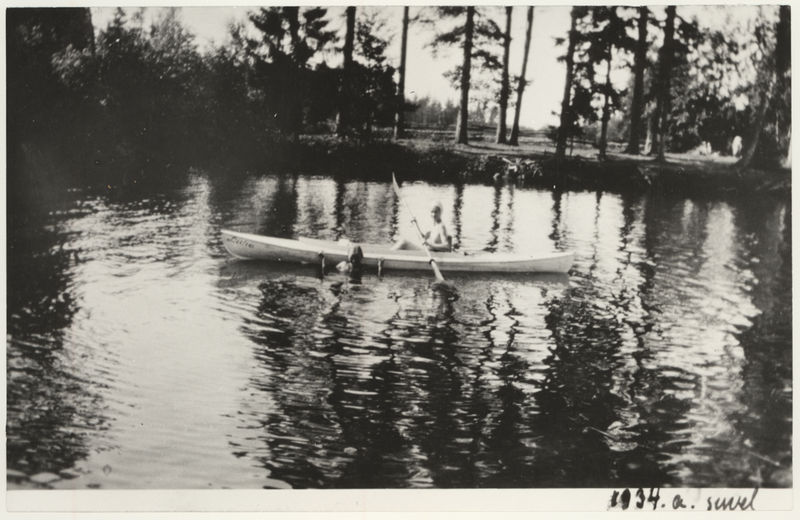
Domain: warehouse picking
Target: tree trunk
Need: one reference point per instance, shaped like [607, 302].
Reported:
[342, 118]
[399, 118]
[514, 138]
[783, 62]
[787, 161]
[293, 17]
[664, 77]
[777, 83]
[293, 120]
[563, 128]
[638, 84]
[462, 125]
[606, 111]
[504, 87]
[751, 141]
[648, 142]
[783, 43]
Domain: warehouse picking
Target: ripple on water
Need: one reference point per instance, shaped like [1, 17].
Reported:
[140, 355]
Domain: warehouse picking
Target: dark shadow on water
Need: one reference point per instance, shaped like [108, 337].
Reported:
[49, 406]
[401, 401]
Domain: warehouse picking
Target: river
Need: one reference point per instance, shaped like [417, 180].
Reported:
[141, 355]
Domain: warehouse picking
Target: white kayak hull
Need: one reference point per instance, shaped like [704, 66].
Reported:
[309, 251]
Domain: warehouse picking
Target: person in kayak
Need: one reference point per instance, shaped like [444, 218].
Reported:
[437, 238]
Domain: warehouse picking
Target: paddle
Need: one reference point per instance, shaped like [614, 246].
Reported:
[436, 272]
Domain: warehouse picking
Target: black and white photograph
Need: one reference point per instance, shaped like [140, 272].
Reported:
[490, 248]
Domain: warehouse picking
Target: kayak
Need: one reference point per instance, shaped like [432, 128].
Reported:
[310, 251]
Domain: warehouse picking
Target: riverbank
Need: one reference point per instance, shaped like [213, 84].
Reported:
[39, 170]
[530, 164]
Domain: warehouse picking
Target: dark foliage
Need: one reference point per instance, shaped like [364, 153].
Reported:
[140, 102]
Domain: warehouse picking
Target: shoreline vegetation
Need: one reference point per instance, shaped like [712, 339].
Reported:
[136, 104]
[531, 164]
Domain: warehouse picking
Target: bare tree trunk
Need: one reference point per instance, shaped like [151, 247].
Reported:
[563, 128]
[293, 16]
[783, 40]
[294, 110]
[399, 119]
[606, 110]
[638, 84]
[462, 125]
[504, 87]
[514, 138]
[342, 118]
[783, 63]
[787, 161]
[771, 92]
[663, 93]
[648, 142]
[751, 141]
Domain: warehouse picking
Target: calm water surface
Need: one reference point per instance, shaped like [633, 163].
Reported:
[141, 355]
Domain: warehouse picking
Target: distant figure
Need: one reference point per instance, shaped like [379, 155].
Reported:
[648, 144]
[437, 238]
[736, 146]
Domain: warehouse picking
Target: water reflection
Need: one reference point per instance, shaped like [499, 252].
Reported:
[50, 408]
[152, 359]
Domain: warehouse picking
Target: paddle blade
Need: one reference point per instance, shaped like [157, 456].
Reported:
[446, 288]
[436, 272]
[395, 186]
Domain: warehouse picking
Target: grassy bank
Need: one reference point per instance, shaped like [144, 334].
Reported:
[40, 169]
[532, 163]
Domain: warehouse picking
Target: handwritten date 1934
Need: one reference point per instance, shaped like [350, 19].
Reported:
[623, 499]
[637, 499]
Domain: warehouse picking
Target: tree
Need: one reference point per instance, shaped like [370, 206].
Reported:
[374, 90]
[504, 83]
[661, 116]
[601, 35]
[34, 36]
[639, 64]
[233, 125]
[477, 38]
[281, 60]
[399, 125]
[521, 81]
[708, 73]
[345, 87]
[606, 32]
[783, 64]
[427, 112]
[462, 125]
[567, 118]
[146, 97]
[775, 71]
[42, 109]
